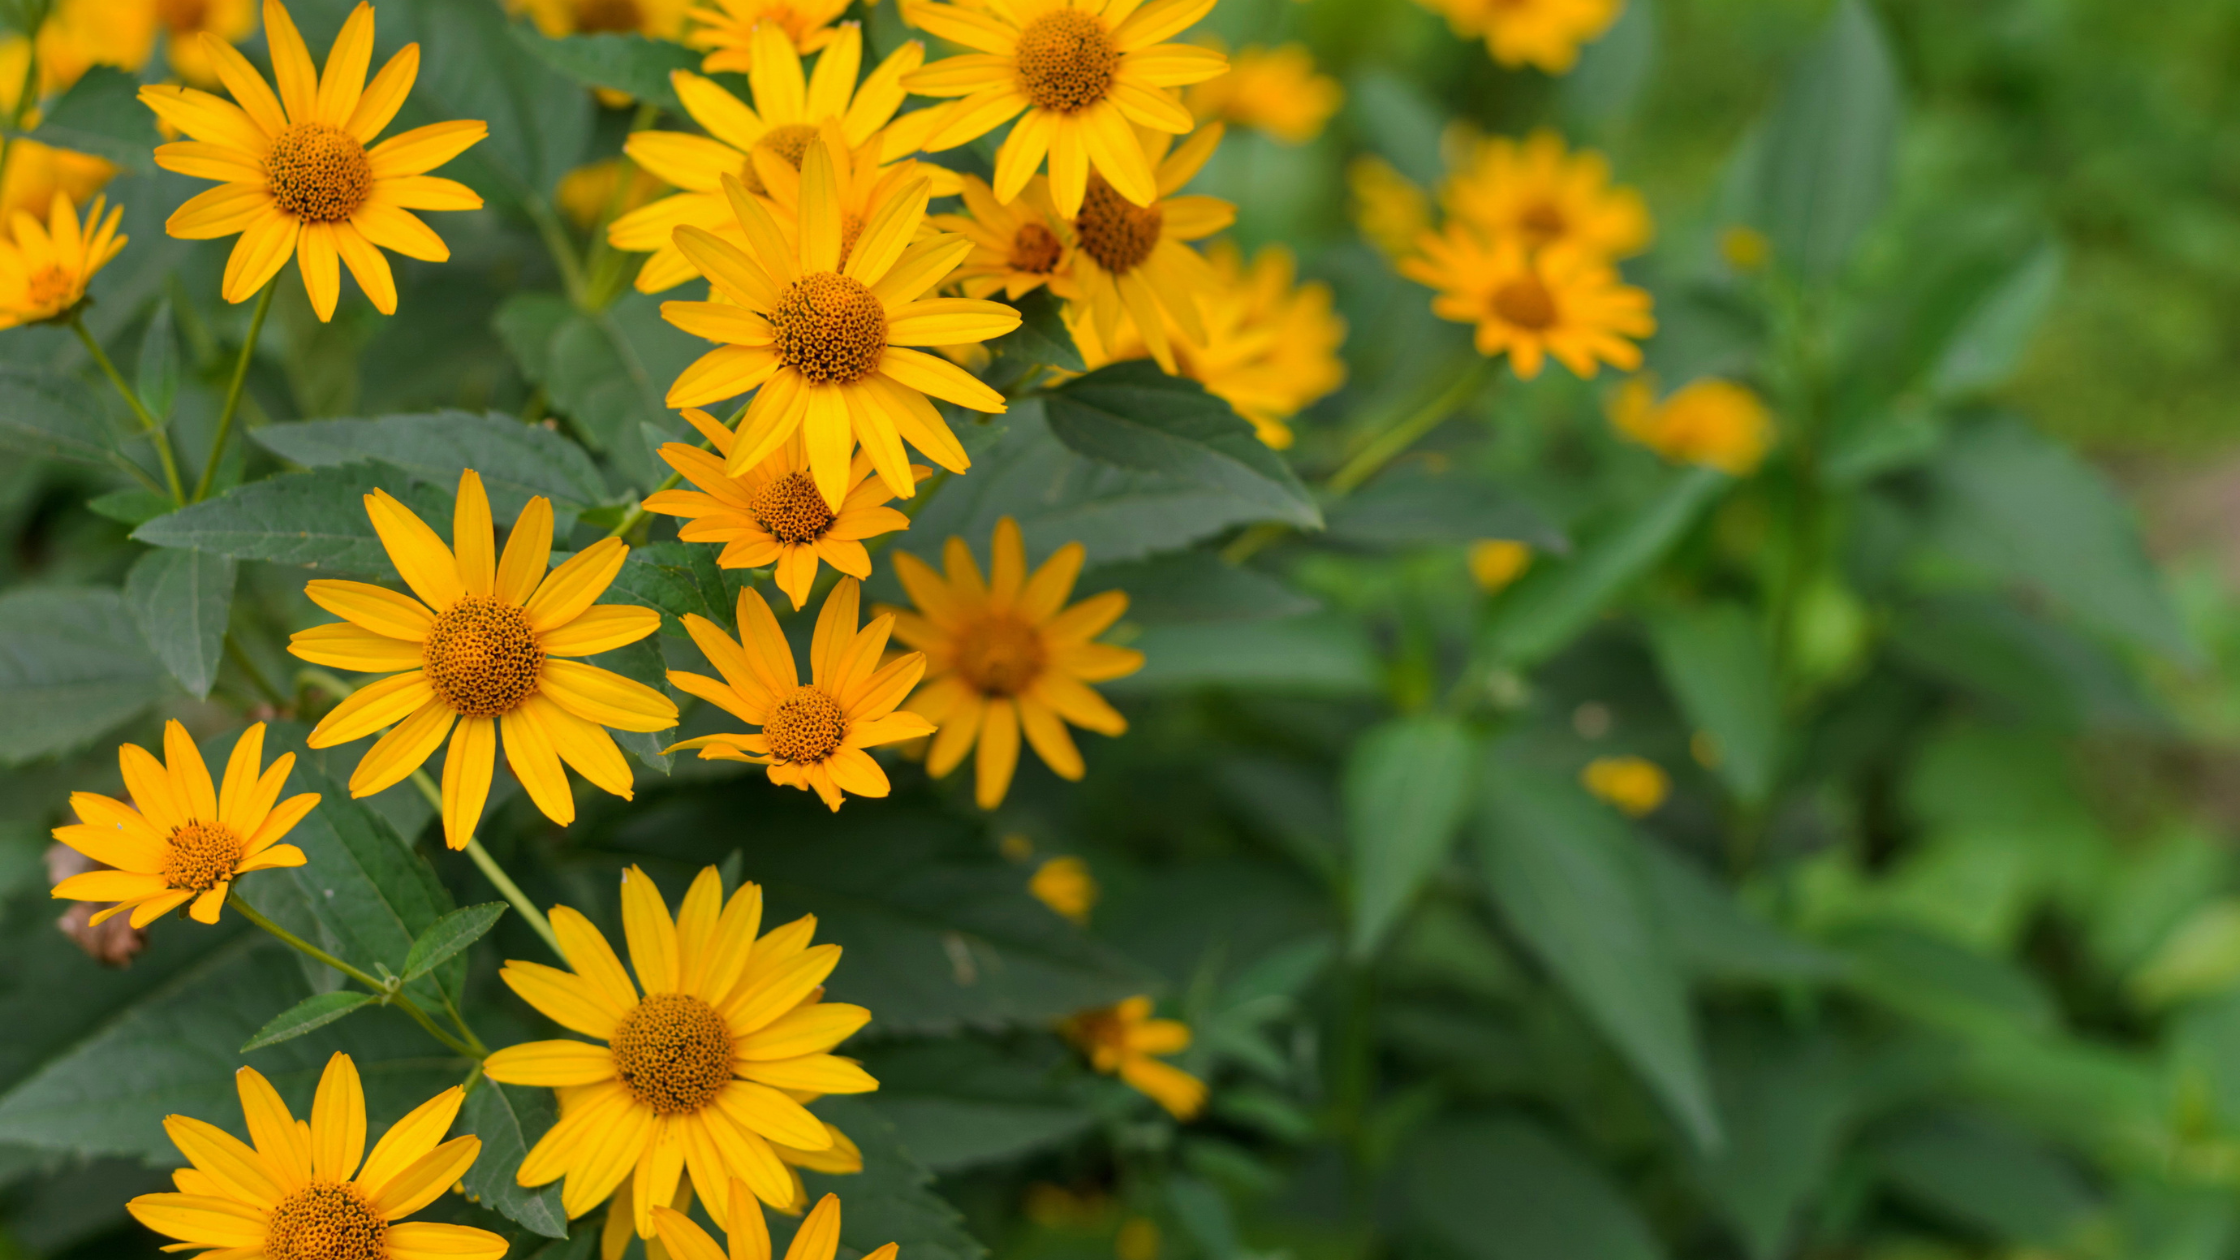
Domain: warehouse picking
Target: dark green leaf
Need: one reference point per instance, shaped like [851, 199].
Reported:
[1988, 1174]
[1715, 937]
[157, 377]
[101, 114]
[1411, 506]
[316, 519]
[1407, 785]
[132, 507]
[1988, 345]
[51, 416]
[627, 62]
[1946, 985]
[1717, 663]
[1788, 1099]
[1315, 655]
[450, 934]
[509, 1119]
[1825, 157]
[608, 372]
[1502, 1188]
[540, 120]
[664, 576]
[962, 1102]
[891, 1200]
[516, 461]
[314, 1012]
[181, 600]
[74, 669]
[1193, 586]
[1041, 338]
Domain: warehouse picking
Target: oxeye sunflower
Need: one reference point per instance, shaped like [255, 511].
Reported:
[301, 1191]
[1016, 248]
[180, 840]
[813, 734]
[1712, 422]
[488, 642]
[829, 343]
[1121, 1041]
[1543, 195]
[1543, 33]
[748, 1237]
[44, 270]
[771, 515]
[296, 175]
[184, 23]
[1085, 72]
[1530, 305]
[842, 1158]
[1275, 90]
[692, 1078]
[725, 28]
[1131, 260]
[1005, 654]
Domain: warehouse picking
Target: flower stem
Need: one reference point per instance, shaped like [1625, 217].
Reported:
[1388, 445]
[390, 993]
[149, 425]
[493, 872]
[233, 391]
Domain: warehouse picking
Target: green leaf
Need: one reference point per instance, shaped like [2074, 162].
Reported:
[314, 1012]
[1041, 338]
[1313, 655]
[540, 120]
[626, 62]
[516, 461]
[608, 372]
[132, 507]
[668, 576]
[1194, 587]
[156, 379]
[1407, 786]
[101, 114]
[1715, 937]
[316, 519]
[450, 934]
[1566, 873]
[181, 601]
[1717, 664]
[1988, 345]
[1504, 1188]
[1988, 1174]
[1412, 506]
[509, 1119]
[74, 670]
[1133, 416]
[1789, 1100]
[1826, 154]
[48, 415]
[891, 1200]
[962, 1102]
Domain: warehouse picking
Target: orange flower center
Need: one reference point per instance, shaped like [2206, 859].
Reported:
[200, 855]
[1115, 231]
[790, 141]
[317, 173]
[482, 657]
[183, 16]
[830, 328]
[1526, 303]
[1035, 249]
[326, 1221]
[673, 1053]
[1066, 59]
[791, 509]
[806, 727]
[51, 288]
[1001, 654]
[1542, 221]
[593, 16]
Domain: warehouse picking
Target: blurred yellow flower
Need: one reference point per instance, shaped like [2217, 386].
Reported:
[655, 19]
[1633, 784]
[185, 21]
[1132, 258]
[1274, 90]
[1016, 248]
[1542, 33]
[1138, 1239]
[1558, 302]
[1065, 885]
[725, 28]
[1496, 562]
[1391, 211]
[82, 34]
[585, 192]
[1542, 194]
[44, 269]
[35, 171]
[1121, 1041]
[1712, 422]
[1745, 248]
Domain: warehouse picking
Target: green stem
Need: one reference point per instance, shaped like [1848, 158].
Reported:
[233, 391]
[149, 425]
[557, 244]
[493, 872]
[599, 265]
[389, 994]
[24, 93]
[1388, 445]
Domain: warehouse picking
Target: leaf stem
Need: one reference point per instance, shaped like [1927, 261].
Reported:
[149, 426]
[391, 994]
[493, 872]
[233, 390]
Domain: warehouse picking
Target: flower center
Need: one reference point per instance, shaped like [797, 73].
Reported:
[607, 15]
[50, 288]
[1542, 221]
[829, 328]
[1526, 303]
[806, 727]
[1114, 231]
[482, 657]
[1036, 249]
[792, 510]
[1000, 655]
[790, 142]
[200, 855]
[318, 173]
[673, 1053]
[183, 16]
[1065, 59]
[325, 1221]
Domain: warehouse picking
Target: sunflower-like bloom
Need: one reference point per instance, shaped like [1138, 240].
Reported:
[694, 1075]
[1635, 785]
[725, 28]
[295, 175]
[1544, 195]
[486, 642]
[771, 516]
[1120, 1040]
[1006, 655]
[814, 735]
[748, 1238]
[1131, 260]
[1495, 563]
[1543, 33]
[829, 343]
[654, 19]
[1065, 885]
[760, 146]
[301, 1190]
[1087, 73]
[81, 34]
[1388, 209]
[1016, 248]
[1275, 90]
[1712, 422]
[184, 23]
[1530, 305]
[44, 270]
[185, 841]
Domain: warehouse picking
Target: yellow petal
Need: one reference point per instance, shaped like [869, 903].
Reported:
[555, 1064]
[409, 1139]
[605, 697]
[467, 770]
[338, 1121]
[422, 149]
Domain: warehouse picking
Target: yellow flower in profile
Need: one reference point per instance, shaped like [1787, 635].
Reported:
[1016, 248]
[1131, 259]
[1388, 209]
[1086, 73]
[185, 21]
[302, 1191]
[1544, 195]
[829, 343]
[814, 735]
[1633, 784]
[585, 193]
[1529, 305]
[488, 642]
[1712, 422]
[1542, 33]
[725, 28]
[1121, 1041]
[1274, 90]
[697, 1074]
[654, 19]
[1065, 885]
[295, 175]
[185, 841]
[44, 270]
[1006, 655]
[1495, 563]
[818, 1238]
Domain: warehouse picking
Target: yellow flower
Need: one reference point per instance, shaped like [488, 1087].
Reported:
[1271, 89]
[654, 19]
[841, 1159]
[726, 28]
[761, 147]
[1633, 784]
[1745, 248]
[585, 192]
[44, 270]
[185, 21]
[1065, 885]
[485, 642]
[827, 345]
[184, 841]
[1016, 248]
[300, 180]
[693, 1078]
[749, 1238]
[814, 734]
[1543, 33]
[1083, 71]
[1712, 422]
[81, 34]
[37, 172]
[301, 1190]
[1130, 260]
[1392, 212]
[1121, 1040]
[1539, 193]
[1005, 654]
[1497, 562]
[1138, 1239]
[1528, 305]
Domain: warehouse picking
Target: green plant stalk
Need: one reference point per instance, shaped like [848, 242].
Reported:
[233, 390]
[149, 426]
[557, 244]
[389, 996]
[495, 873]
[601, 266]
[637, 510]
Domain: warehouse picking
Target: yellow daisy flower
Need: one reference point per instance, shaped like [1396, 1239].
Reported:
[1635, 785]
[584, 193]
[654, 19]
[725, 28]
[184, 841]
[749, 1238]
[1274, 90]
[81, 34]
[1016, 248]
[1530, 305]
[1120, 1041]
[1495, 563]
[1131, 259]
[1543, 33]
[34, 171]
[1544, 195]
[1082, 70]
[814, 735]
[44, 270]
[185, 21]
[829, 346]
[693, 1077]
[487, 642]
[301, 1190]
[1389, 210]
[299, 180]
[1007, 655]
[1711, 422]
[771, 516]
[1065, 885]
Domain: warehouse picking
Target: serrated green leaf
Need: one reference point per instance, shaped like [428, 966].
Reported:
[101, 114]
[1412, 506]
[1193, 586]
[471, 67]
[51, 416]
[890, 1201]
[1503, 1188]
[181, 601]
[608, 372]
[624, 62]
[312, 1013]
[1718, 665]
[667, 576]
[74, 669]
[516, 461]
[132, 507]
[509, 1119]
[1407, 787]
[156, 379]
[316, 519]
[1041, 338]
[450, 934]
[964, 1102]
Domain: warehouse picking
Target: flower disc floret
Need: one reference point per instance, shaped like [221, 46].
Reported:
[317, 173]
[1036, 249]
[1119, 234]
[482, 657]
[614, 16]
[791, 509]
[1001, 655]
[788, 141]
[201, 855]
[673, 1053]
[830, 328]
[806, 727]
[1526, 303]
[1066, 60]
[326, 1220]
